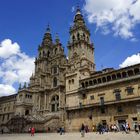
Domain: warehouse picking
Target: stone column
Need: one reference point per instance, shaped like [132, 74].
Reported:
[45, 106]
[39, 103]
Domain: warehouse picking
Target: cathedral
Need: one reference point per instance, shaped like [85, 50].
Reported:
[68, 91]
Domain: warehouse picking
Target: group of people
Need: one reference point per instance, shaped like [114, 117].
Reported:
[100, 128]
[125, 127]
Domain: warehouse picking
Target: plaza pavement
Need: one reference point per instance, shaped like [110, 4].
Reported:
[71, 136]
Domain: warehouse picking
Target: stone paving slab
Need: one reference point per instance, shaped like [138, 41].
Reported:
[71, 136]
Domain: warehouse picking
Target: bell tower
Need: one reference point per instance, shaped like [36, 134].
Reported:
[79, 44]
[80, 53]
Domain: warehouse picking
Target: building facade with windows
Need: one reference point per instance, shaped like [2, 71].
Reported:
[69, 92]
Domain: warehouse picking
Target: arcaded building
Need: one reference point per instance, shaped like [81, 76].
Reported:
[68, 91]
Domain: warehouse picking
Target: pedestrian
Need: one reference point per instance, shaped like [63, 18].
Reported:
[115, 128]
[93, 128]
[2, 131]
[86, 129]
[136, 128]
[139, 127]
[63, 130]
[100, 128]
[82, 130]
[128, 127]
[32, 131]
[60, 130]
[29, 130]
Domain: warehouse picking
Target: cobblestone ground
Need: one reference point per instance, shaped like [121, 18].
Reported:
[71, 136]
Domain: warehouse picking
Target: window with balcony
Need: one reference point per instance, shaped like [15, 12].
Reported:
[119, 109]
[55, 70]
[84, 96]
[117, 93]
[103, 110]
[118, 96]
[101, 101]
[92, 97]
[130, 90]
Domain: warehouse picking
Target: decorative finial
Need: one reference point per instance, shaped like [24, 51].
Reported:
[24, 85]
[78, 11]
[57, 40]
[48, 28]
[19, 86]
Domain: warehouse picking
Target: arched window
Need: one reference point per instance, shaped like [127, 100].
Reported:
[136, 71]
[43, 53]
[40, 54]
[73, 38]
[55, 103]
[69, 81]
[54, 70]
[124, 74]
[48, 54]
[78, 36]
[113, 77]
[54, 82]
[95, 81]
[72, 81]
[27, 112]
[84, 36]
[90, 83]
[99, 80]
[119, 76]
[55, 51]
[104, 79]
[108, 78]
[86, 84]
[83, 85]
[87, 38]
[130, 73]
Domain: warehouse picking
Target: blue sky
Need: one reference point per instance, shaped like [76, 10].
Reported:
[114, 31]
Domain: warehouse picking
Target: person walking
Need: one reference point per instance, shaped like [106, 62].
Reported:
[60, 130]
[136, 128]
[139, 127]
[82, 130]
[32, 131]
[124, 128]
[2, 131]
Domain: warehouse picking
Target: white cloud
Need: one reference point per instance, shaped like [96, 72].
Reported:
[116, 16]
[15, 66]
[132, 60]
[8, 49]
[6, 90]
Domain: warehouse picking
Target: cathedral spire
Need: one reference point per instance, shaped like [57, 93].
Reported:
[78, 11]
[78, 19]
[48, 29]
[57, 40]
[47, 40]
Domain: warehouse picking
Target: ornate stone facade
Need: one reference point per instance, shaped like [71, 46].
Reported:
[69, 91]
